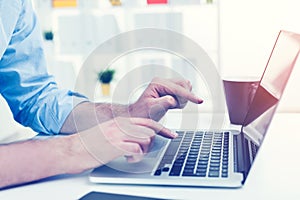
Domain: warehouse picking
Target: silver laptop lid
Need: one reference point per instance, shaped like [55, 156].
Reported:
[271, 86]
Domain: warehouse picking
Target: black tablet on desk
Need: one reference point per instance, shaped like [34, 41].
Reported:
[110, 196]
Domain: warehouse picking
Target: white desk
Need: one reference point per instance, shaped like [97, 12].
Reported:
[275, 175]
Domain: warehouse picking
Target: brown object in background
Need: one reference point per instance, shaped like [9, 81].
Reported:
[239, 94]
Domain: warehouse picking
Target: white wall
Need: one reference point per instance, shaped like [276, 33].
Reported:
[248, 32]
[9, 129]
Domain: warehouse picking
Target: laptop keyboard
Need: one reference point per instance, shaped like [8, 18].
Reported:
[254, 149]
[197, 154]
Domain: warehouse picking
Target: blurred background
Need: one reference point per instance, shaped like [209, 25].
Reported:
[238, 35]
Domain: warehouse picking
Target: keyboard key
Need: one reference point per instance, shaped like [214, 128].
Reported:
[176, 168]
[173, 173]
[181, 152]
[183, 148]
[187, 174]
[225, 163]
[202, 166]
[189, 133]
[215, 154]
[190, 171]
[180, 133]
[224, 166]
[179, 161]
[224, 170]
[189, 167]
[204, 152]
[215, 158]
[191, 163]
[165, 169]
[216, 148]
[157, 172]
[178, 164]
[192, 156]
[203, 159]
[194, 153]
[215, 164]
[213, 174]
[224, 175]
[199, 133]
[202, 162]
[225, 156]
[204, 156]
[201, 170]
[214, 169]
[200, 174]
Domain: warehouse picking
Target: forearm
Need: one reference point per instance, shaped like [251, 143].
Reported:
[88, 114]
[160, 96]
[36, 159]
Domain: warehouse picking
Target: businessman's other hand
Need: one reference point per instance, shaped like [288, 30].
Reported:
[129, 137]
[162, 95]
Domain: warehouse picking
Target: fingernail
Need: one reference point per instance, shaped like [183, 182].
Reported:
[174, 134]
[200, 101]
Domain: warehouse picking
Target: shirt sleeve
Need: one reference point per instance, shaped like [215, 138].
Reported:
[31, 93]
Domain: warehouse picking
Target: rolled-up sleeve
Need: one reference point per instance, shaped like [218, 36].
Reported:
[32, 94]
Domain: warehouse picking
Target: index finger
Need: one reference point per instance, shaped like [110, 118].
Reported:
[170, 88]
[157, 127]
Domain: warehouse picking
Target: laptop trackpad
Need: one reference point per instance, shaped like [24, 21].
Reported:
[147, 164]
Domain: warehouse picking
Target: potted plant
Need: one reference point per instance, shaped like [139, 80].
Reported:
[48, 35]
[115, 2]
[105, 77]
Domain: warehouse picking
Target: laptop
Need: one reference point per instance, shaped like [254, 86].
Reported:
[212, 158]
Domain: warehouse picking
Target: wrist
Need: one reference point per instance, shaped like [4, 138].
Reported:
[80, 159]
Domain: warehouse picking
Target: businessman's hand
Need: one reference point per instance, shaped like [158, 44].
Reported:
[161, 95]
[129, 137]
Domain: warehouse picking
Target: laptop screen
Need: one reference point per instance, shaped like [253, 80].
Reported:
[271, 86]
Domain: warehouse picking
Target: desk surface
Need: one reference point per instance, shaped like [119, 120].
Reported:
[275, 175]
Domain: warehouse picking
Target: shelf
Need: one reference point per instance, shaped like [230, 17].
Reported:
[144, 8]
[78, 31]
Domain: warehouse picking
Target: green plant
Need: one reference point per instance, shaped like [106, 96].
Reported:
[48, 35]
[106, 76]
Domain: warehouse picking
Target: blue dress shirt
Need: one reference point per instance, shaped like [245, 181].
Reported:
[31, 93]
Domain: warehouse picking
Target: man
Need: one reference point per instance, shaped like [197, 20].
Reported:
[94, 133]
